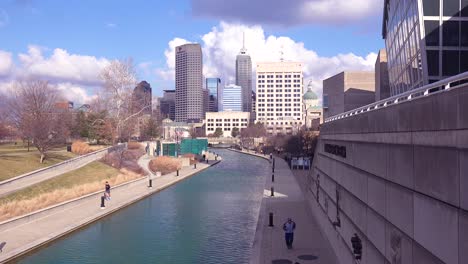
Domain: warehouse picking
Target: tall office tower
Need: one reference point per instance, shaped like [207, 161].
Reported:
[142, 98]
[206, 102]
[189, 83]
[426, 41]
[214, 87]
[167, 105]
[244, 77]
[279, 96]
[382, 86]
[232, 98]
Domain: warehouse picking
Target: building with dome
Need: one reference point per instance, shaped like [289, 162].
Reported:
[313, 113]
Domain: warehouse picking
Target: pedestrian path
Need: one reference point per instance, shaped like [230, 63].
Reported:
[269, 247]
[34, 231]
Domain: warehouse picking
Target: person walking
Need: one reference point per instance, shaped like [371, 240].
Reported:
[108, 196]
[288, 228]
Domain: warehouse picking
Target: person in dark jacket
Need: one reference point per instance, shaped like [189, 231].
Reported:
[108, 197]
[289, 228]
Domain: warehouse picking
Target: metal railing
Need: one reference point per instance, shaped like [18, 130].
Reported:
[427, 90]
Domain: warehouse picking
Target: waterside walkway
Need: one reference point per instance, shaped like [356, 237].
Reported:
[30, 232]
[269, 246]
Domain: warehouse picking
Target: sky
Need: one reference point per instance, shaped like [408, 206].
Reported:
[69, 42]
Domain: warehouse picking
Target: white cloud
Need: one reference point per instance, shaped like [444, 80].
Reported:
[62, 66]
[6, 63]
[75, 75]
[222, 44]
[289, 13]
[75, 93]
[169, 74]
[111, 25]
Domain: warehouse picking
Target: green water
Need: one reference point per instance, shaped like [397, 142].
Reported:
[209, 218]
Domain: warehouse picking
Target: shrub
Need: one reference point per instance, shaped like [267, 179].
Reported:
[164, 164]
[127, 159]
[81, 148]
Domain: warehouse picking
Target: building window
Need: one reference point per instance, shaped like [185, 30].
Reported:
[450, 62]
[432, 33]
[433, 62]
[451, 32]
[451, 8]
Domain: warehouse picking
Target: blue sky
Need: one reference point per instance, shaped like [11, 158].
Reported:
[142, 29]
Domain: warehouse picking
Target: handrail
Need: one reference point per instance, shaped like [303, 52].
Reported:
[406, 96]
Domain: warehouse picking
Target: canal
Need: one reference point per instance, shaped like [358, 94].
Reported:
[208, 218]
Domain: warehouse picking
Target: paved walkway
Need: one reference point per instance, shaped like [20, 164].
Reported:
[269, 245]
[35, 231]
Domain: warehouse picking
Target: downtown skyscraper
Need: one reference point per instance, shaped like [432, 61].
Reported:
[189, 83]
[244, 77]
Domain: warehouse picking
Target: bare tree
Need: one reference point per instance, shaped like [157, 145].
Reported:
[35, 113]
[119, 81]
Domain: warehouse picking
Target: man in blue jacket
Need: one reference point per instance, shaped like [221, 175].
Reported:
[288, 228]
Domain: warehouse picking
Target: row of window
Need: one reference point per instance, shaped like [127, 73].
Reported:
[279, 114]
[279, 76]
[279, 90]
[278, 109]
[279, 100]
[277, 105]
[279, 95]
[224, 129]
[227, 124]
[228, 120]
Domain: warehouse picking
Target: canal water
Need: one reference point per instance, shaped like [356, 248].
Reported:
[208, 218]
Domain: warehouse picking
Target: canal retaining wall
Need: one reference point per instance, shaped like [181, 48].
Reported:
[397, 177]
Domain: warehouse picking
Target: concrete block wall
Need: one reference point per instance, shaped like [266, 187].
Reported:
[403, 185]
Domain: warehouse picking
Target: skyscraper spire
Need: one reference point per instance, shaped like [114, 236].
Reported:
[243, 51]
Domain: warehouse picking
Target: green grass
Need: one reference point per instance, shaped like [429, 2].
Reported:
[16, 160]
[95, 171]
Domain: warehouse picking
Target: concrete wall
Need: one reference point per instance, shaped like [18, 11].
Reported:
[347, 91]
[333, 87]
[403, 184]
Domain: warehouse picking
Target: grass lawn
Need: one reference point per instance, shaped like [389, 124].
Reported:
[95, 171]
[16, 160]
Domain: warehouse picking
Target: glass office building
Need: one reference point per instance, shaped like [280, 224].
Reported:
[232, 98]
[214, 87]
[426, 41]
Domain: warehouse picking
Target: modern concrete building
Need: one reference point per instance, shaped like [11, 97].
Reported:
[279, 96]
[232, 98]
[189, 83]
[244, 77]
[142, 99]
[397, 176]
[346, 91]
[227, 121]
[214, 87]
[426, 41]
[382, 85]
[167, 104]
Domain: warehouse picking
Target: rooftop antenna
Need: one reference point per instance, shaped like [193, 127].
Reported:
[243, 50]
[282, 54]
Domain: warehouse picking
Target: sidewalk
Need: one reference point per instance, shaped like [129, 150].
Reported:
[309, 246]
[25, 237]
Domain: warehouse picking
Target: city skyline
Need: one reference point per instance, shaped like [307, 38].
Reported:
[74, 68]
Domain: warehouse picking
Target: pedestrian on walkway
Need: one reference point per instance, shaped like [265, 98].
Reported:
[108, 196]
[288, 228]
